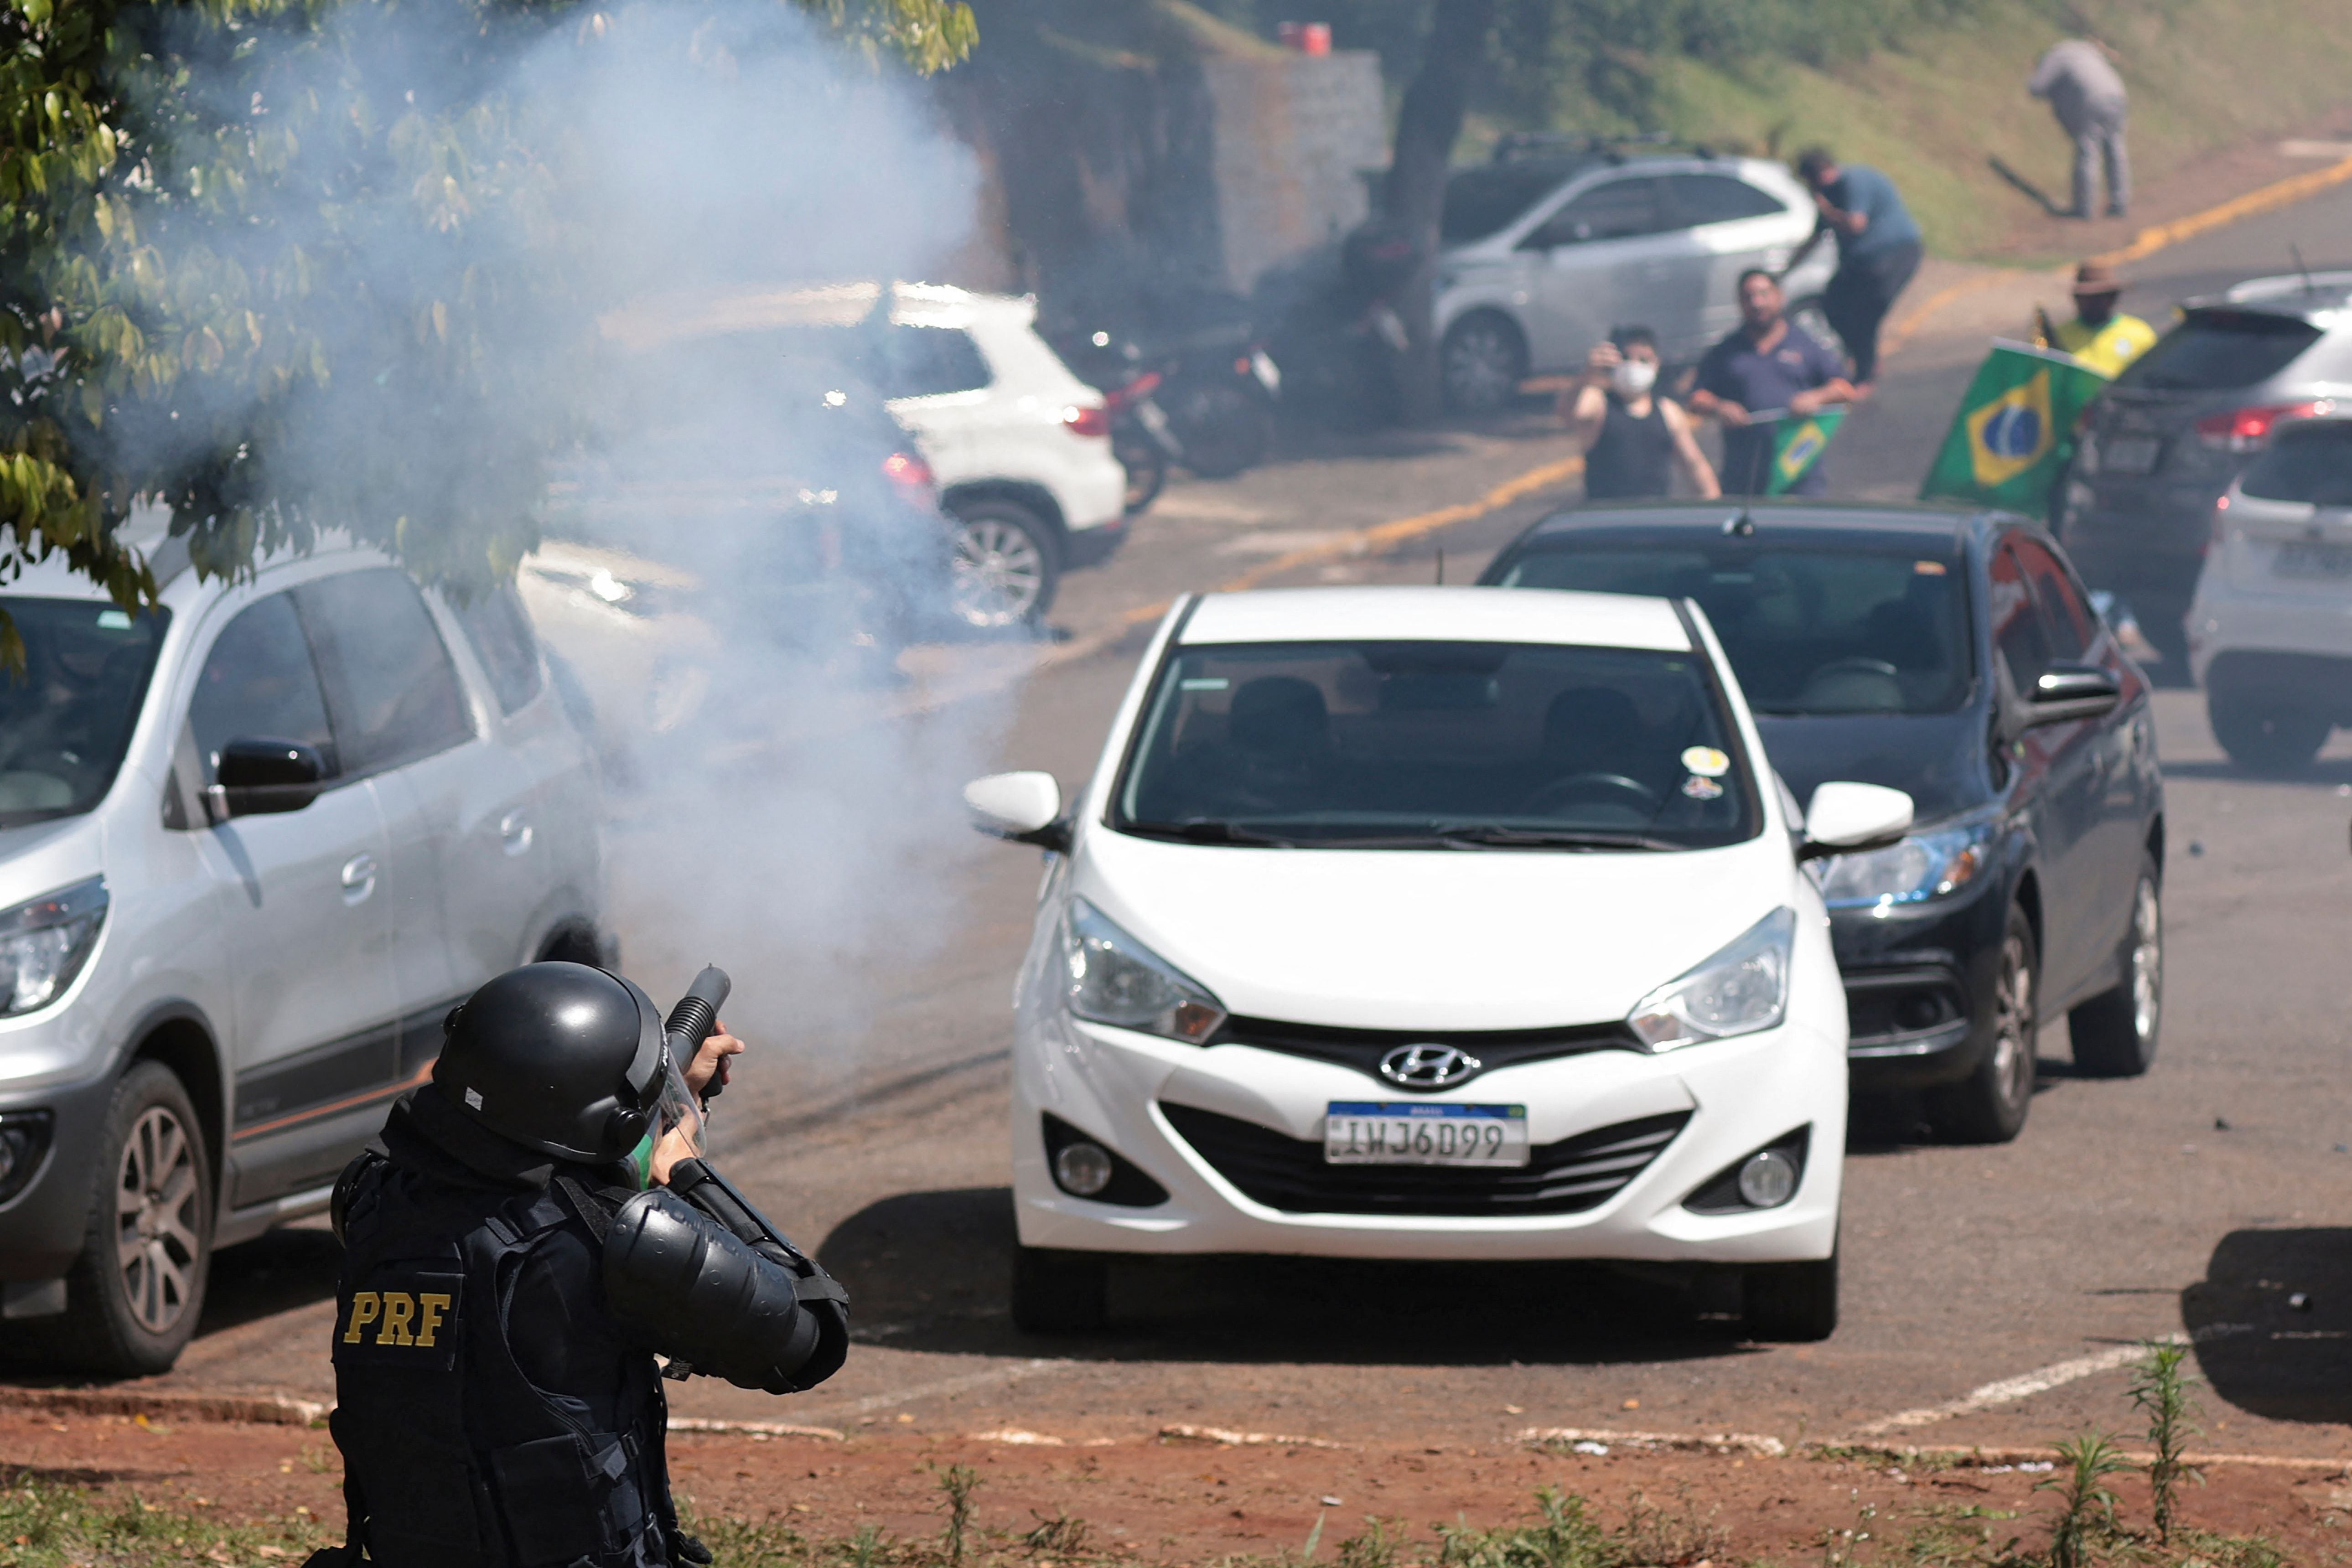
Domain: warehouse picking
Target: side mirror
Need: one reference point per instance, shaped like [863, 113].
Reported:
[1845, 817]
[1021, 809]
[2066, 691]
[258, 776]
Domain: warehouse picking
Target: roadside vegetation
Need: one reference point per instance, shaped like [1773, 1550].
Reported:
[46, 1523]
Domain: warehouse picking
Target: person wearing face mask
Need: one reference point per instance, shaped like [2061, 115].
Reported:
[1632, 437]
[2101, 336]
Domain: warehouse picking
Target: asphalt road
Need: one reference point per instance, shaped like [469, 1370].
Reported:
[873, 973]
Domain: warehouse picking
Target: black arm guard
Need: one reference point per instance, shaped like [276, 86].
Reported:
[698, 1294]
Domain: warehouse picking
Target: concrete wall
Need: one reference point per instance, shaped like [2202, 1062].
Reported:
[1292, 139]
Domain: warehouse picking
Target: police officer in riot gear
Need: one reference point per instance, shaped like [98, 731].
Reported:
[536, 1228]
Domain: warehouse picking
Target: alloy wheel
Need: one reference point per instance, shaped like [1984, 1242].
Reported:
[2147, 960]
[157, 1244]
[2012, 1044]
[1482, 366]
[998, 572]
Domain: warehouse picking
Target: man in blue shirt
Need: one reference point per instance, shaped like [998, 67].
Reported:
[1878, 249]
[1768, 366]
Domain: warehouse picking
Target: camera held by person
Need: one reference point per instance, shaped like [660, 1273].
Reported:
[536, 1226]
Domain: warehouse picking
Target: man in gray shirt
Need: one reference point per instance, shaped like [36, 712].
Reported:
[2087, 96]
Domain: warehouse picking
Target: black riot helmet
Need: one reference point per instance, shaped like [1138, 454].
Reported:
[559, 1057]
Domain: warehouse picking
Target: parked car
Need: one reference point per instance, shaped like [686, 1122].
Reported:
[1544, 251]
[2269, 631]
[2181, 421]
[1431, 923]
[253, 845]
[1019, 446]
[1955, 657]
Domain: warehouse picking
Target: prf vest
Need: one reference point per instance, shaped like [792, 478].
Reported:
[453, 1459]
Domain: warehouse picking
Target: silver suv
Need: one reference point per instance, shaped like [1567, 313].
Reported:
[2182, 420]
[1544, 251]
[253, 846]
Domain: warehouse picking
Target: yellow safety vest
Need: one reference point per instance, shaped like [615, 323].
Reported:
[2106, 349]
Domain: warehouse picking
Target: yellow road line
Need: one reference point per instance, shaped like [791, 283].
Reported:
[2278, 193]
[1355, 542]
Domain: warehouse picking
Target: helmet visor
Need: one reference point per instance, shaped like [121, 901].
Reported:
[676, 1133]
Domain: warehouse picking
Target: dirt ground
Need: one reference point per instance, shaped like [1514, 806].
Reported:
[1178, 1499]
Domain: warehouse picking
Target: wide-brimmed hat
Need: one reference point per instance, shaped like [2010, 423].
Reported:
[2097, 277]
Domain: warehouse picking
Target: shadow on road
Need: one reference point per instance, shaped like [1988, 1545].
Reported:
[276, 1272]
[2325, 774]
[2259, 1350]
[930, 1271]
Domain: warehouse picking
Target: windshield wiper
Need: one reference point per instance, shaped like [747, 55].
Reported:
[1551, 838]
[1206, 830]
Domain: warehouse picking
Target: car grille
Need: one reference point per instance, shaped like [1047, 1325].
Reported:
[1364, 1048]
[1288, 1173]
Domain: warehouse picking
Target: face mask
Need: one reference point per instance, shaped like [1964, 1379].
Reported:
[1634, 377]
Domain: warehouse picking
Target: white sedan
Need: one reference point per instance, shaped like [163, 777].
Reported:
[1431, 924]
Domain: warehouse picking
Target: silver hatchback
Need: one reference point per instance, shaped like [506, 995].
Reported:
[1541, 256]
[253, 846]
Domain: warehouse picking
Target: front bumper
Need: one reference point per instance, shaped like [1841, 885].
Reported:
[41, 1228]
[1725, 1100]
[1918, 984]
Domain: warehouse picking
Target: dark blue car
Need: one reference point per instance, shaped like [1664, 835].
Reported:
[1956, 657]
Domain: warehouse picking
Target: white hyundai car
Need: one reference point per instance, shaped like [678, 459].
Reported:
[1431, 924]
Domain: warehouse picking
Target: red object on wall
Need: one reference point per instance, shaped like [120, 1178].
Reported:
[1306, 37]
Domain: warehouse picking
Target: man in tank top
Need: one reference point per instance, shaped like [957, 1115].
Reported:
[1632, 437]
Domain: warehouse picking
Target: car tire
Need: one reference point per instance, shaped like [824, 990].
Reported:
[1990, 1105]
[1221, 431]
[134, 1296]
[1481, 362]
[1790, 1303]
[1146, 471]
[1058, 1293]
[1006, 565]
[2266, 736]
[2114, 1033]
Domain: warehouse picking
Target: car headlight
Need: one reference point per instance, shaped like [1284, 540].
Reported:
[1924, 866]
[1115, 979]
[1740, 990]
[44, 942]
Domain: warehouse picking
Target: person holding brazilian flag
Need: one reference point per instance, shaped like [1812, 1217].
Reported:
[2014, 433]
[1778, 393]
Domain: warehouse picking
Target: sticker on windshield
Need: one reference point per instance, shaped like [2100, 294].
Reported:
[1706, 762]
[1205, 683]
[113, 621]
[1926, 568]
[1700, 787]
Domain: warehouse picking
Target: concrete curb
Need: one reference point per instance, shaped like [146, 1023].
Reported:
[260, 1410]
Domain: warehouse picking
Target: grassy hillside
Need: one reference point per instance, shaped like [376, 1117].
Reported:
[2203, 74]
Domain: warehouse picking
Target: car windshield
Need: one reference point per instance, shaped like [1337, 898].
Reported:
[1807, 629]
[2306, 463]
[66, 718]
[1461, 745]
[1483, 200]
[2214, 351]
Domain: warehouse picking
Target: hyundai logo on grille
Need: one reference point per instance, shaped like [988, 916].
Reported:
[1429, 1066]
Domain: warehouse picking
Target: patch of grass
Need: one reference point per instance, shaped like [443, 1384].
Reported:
[1911, 1461]
[44, 1525]
[2160, 1389]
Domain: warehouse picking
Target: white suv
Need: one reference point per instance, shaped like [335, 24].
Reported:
[2270, 629]
[254, 846]
[1018, 446]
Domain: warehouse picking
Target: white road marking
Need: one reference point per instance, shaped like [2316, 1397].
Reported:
[2010, 1390]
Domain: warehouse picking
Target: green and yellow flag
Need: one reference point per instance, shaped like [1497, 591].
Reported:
[1797, 444]
[2014, 432]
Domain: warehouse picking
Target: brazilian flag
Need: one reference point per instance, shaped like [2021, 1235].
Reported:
[2014, 433]
[1798, 442]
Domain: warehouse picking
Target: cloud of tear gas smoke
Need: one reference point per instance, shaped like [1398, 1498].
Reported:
[727, 568]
